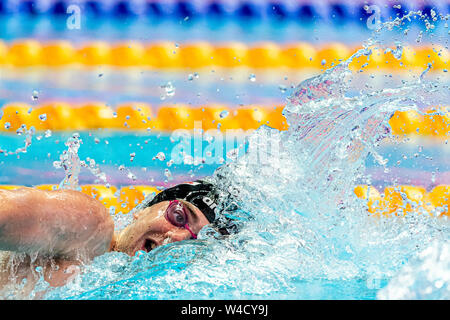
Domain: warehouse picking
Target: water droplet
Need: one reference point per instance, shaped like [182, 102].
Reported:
[160, 156]
[43, 117]
[48, 133]
[168, 174]
[224, 114]
[252, 77]
[233, 154]
[169, 90]
[7, 125]
[131, 176]
[323, 62]
[282, 88]
[35, 95]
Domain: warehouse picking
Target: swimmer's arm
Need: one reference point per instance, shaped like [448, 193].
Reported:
[56, 223]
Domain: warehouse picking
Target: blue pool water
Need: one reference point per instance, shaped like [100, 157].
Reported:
[408, 163]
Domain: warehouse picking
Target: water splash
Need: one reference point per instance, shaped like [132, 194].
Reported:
[426, 277]
[303, 225]
[27, 143]
[71, 163]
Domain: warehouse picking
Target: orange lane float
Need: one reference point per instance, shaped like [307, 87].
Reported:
[131, 196]
[17, 115]
[398, 200]
[120, 200]
[435, 122]
[94, 54]
[25, 54]
[299, 55]
[440, 198]
[330, 55]
[133, 116]
[230, 55]
[403, 200]
[196, 55]
[264, 55]
[162, 55]
[106, 195]
[406, 122]
[371, 196]
[95, 115]
[3, 52]
[61, 116]
[174, 117]
[58, 53]
[129, 54]
[193, 55]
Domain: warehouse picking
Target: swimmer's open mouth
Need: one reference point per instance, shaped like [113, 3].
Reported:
[148, 245]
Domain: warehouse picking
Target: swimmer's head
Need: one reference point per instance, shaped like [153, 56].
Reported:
[159, 224]
[175, 214]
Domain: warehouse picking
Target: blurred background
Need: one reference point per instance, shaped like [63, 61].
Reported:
[125, 75]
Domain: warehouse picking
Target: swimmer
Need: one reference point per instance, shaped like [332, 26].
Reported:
[61, 229]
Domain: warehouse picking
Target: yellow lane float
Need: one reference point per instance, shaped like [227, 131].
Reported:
[25, 53]
[230, 55]
[398, 200]
[162, 55]
[193, 55]
[401, 200]
[94, 54]
[62, 116]
[58, 53]
[129, 54]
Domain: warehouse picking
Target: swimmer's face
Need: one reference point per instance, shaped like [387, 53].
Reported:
[150, 229]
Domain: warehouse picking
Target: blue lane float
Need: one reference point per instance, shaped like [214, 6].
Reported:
[300, 11]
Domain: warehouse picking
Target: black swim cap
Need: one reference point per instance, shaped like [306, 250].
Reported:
[200, 193]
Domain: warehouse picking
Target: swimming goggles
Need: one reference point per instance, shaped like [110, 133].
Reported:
[177, 215]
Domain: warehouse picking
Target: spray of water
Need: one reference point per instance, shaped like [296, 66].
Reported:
[28, 139]
[71, 163]
[303, 227]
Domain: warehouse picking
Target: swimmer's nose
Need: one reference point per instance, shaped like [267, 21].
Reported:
[178, 235]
